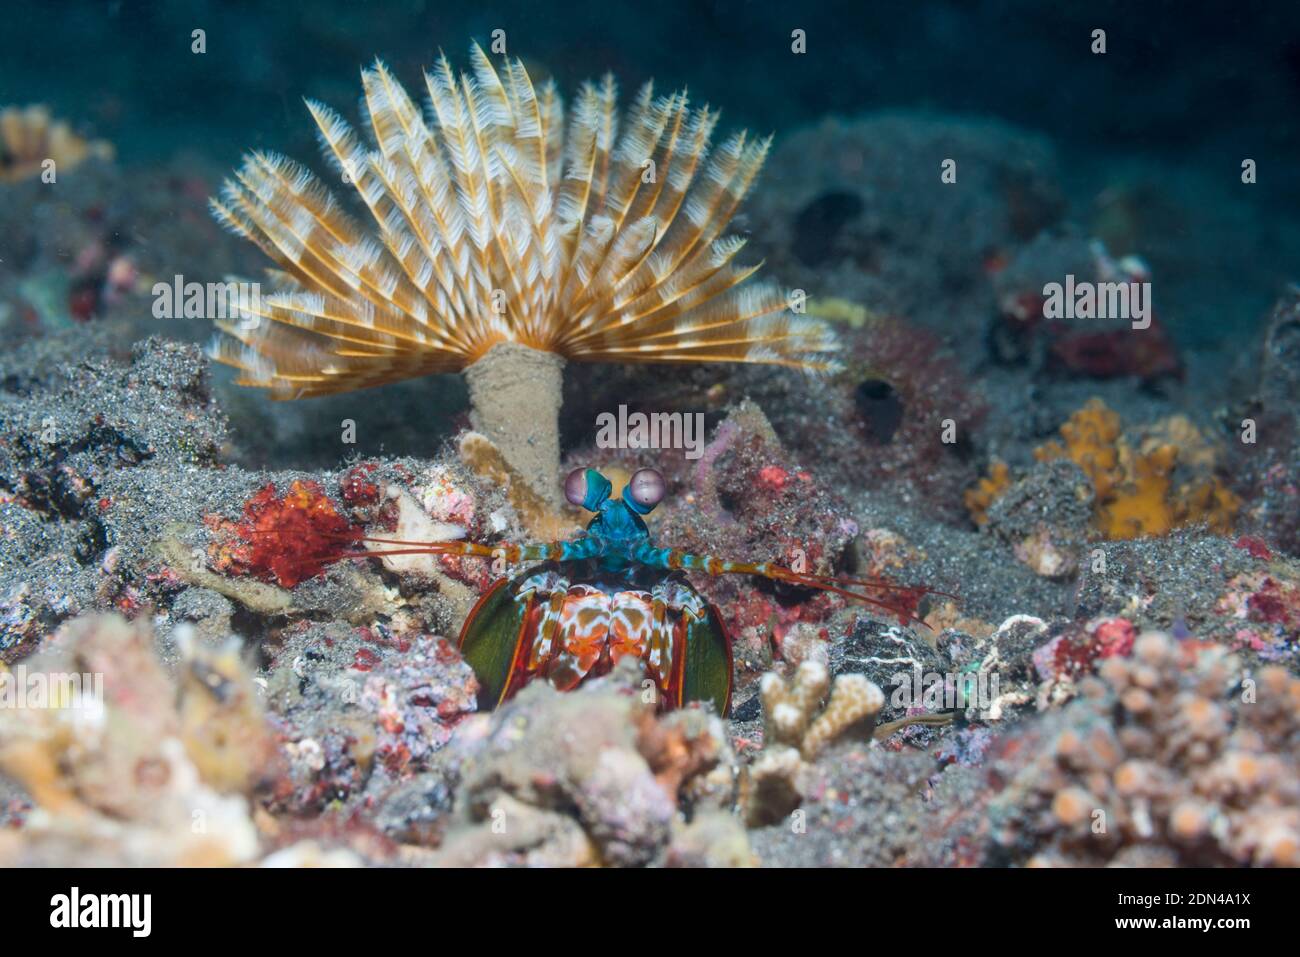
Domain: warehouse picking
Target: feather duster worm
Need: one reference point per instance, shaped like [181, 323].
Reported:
[509, 239]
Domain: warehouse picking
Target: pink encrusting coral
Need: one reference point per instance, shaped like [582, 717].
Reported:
[1176, 756]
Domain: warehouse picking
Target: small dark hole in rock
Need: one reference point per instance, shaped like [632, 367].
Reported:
[820, 222]
[881, 409]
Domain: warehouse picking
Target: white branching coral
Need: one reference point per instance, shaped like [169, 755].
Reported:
[795, 717]
[796, 728]
[497, 225]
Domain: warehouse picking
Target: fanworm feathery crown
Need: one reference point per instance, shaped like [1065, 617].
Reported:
[599, 243]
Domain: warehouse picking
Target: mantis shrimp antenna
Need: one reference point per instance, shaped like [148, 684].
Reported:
[902, 601]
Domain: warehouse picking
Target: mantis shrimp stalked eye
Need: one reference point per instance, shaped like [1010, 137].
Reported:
[645, 490]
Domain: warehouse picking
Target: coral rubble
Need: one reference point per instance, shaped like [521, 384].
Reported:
[136, 768]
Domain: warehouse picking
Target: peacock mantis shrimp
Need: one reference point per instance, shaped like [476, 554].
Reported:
[586, 603]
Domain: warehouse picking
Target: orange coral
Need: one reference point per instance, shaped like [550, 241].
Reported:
[1139, 505]
[1194, 449]
[986, 492]
[948, 615]
[1208, 501]
[1090, 438]
[1133, 488]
